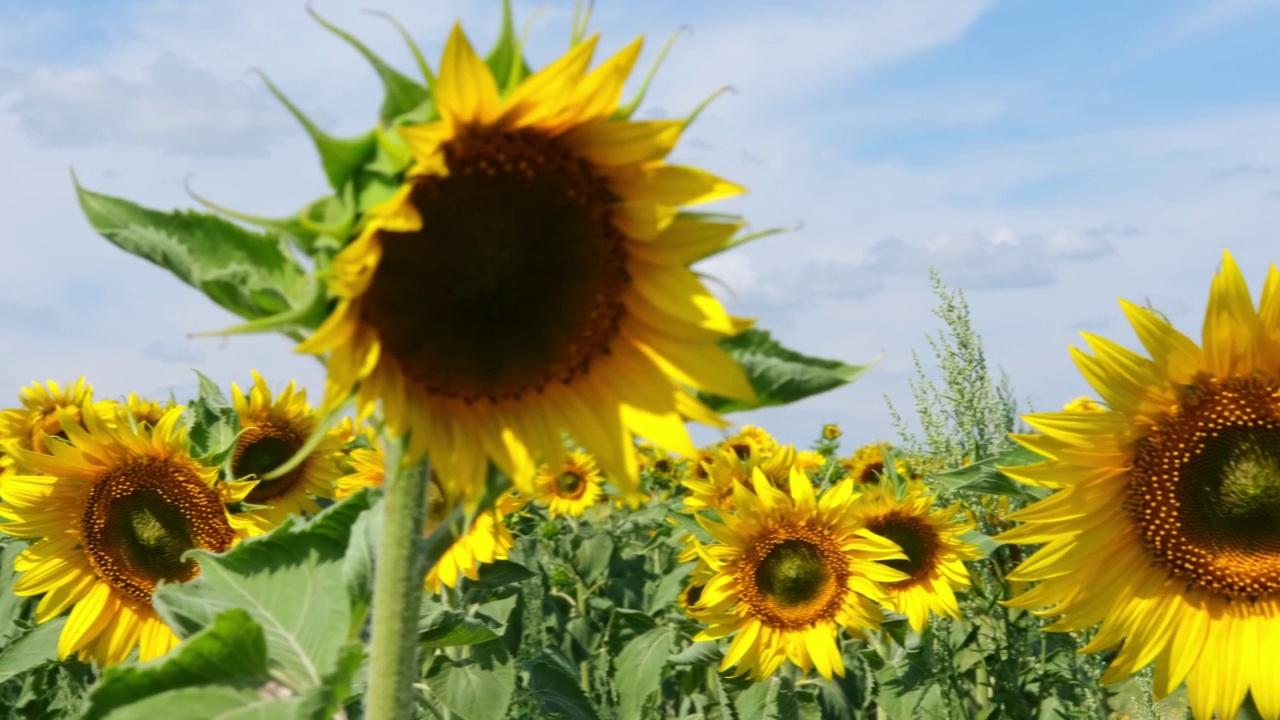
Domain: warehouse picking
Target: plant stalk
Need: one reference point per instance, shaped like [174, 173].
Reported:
[397, 592]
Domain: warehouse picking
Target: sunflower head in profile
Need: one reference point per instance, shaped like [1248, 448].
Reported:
[112, 514]
[485, 541]
[789, 570]
[29, 427]
[570, 487]
[1165, 526]
[531, 276]
[270, 433]
[934, 565]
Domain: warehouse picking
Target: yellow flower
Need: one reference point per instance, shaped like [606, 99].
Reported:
[790, 570]
[1083, 404]
[1165, 526]
[831, 432]
[571, 487]
[807, 460]
[866, 464]
[487, 540]
[134, 408]
[531, 277]
[270, 434]
[114, 512]
[935, 554]
[729, 470]
[749, 441]
[29, 427]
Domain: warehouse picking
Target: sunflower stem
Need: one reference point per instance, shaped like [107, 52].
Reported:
[397, 590]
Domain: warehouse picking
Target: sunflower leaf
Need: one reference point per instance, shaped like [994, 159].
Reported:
[212, 423]
[639, 670]
[779, 376]
[34, 647]
[291, 582]
[401, 94]
[557, 690]
[231, 651]
[477, 688]
[251, 274]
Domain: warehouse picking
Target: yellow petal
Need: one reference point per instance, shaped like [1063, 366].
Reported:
[465, 91]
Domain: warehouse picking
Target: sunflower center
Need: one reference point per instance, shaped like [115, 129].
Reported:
[793, 575]
[261, 449]
[918, 542]
[515, 279]
[141, 516]
[1205, 487]
[569, 484]
[872, 472]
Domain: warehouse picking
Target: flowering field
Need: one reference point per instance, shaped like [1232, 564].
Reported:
[494, 508]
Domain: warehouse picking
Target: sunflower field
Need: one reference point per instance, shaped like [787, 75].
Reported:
[494, 508]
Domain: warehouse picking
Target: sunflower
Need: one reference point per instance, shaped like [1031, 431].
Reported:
[749, 441]
[113, 512]
[1165, 526]
[831, 432]
[930, 540]
[270, 434]
[531, 277]
[487, 540]
[571, 487]
[30, 426]
[728, 470]
[789, 571]
[866, 464]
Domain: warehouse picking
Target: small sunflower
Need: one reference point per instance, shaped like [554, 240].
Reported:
[728, 470]
[367, 471]
[30, 426]
[270, 434]
[487, 540]
[135, 409]
[750, 441]
[831, 432]
[113, 512]
[1165, 526]
[935, 554]
[571, 487]
[866, 464]
[790, 570]
[531, 277]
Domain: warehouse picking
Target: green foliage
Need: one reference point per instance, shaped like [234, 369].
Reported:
[250, 274]
[212, 423]
[779, 376]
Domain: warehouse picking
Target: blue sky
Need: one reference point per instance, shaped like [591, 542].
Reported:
[1046, 157]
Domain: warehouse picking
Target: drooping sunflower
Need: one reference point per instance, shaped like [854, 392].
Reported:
[487, 540]
[113, 512]
[29, 427]
[935, 553]
[570, 487]
[790, 570]
[531, 277]
[1165, 526]
[270, 433]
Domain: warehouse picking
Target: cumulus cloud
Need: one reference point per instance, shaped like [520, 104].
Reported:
[178, 107]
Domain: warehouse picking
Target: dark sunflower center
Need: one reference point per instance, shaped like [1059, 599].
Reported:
[143, 515]
[918, 542]
[570, 484]
[741, 449]
[693, 595]
[872, 472]
[1205, 488]
[792, 573]
[261, 449]
[515, 279]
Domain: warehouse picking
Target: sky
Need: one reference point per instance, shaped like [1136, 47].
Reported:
[1046, 158]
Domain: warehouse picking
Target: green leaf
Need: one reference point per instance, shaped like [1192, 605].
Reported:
[591, 559]
[290, 581]
[445, 628]
[667, 590]
[362, 549]
[501, 573]
[639, 670]
[984, 476]
[12, 607]
[212, 422]
[760, 701]
[505, 60]
[703, 652]
[251, 274]
[340, 157]
[400, 94]
[477, 688]
[779, 376]
[557, 691]
[232, 652]
[34, 647]
[984, 543]
[215, 702]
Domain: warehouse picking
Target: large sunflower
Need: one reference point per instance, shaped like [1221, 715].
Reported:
[570, 487]
[789, 572]
[270, 433]
[114, 512]
[531, 277]
[935, 554]
[1166, 524]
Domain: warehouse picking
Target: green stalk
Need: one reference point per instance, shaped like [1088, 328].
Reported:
[397, 591]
